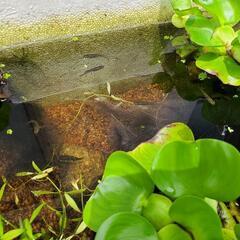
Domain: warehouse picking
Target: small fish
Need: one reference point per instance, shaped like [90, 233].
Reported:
[68, 159]
[94, 55]
[95, 69]
[35, 125]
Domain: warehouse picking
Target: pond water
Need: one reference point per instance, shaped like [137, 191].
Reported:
[78, 128]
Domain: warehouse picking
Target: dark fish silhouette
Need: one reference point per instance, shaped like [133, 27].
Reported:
[94, 55]
[95, 69]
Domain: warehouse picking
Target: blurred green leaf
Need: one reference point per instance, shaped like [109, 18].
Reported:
[1, 227]
[228, 234]
[181, 4]
[236, 50]
[201, 30]
[12, 234]
[2, 190]
[226, 11]
[237, 231]
[127, 226]
[224, 67]
[225, 34]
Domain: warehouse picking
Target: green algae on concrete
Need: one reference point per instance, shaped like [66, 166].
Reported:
[65, 54]
[88, 23]
[47, 68]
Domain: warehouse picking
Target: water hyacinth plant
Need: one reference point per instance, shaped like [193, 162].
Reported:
[168, 188]
[212, 36]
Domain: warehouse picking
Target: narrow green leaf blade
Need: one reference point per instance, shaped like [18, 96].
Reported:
[71, 202]
[12, 234]
[36, 212]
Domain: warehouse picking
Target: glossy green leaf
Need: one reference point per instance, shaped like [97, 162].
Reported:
[236, 50]
[197, 217]
[173, 132]
[156, 210]
[225, 34]
[224, 67]
[173, 232]
[5, 110]
[181, 4]
[179, 21]
[226, 11]
[122, 164]
[126, 226]
[201, 30]
[208, 168]
[145, 153]
[113, 195]
[175, 169]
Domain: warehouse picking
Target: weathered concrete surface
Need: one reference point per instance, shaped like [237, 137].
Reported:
[44, 69]
[58, 46]
[25, 21]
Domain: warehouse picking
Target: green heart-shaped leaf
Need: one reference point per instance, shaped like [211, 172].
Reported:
[201, 30]
[207, 168]
[156, 210]
[197, 217]
[173, 232]
[173, 132]
[226, 11]
[123, 165]
[126, 226]
[145, 153]
[113, 195]
[225, 34]
[224, 67]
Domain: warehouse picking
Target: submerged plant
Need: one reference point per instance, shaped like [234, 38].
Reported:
[211, 36]
[191, 178]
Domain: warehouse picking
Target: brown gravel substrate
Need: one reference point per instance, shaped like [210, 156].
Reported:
[72, 125]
